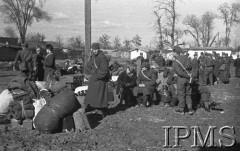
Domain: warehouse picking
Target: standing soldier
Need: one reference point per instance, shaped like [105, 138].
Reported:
[237, 67]
[216, 64]
[97, 67]
[201, 66]
[39, 73]
[224, 77]
[208, 70]
[228, 60]
[160, 60]
[195, 67]
[49, 64]
[27, 61]
[183, 67]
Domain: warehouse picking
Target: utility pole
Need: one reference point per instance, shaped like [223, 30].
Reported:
[87, 31]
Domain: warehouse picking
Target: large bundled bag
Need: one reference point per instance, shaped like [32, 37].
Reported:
[5, 99]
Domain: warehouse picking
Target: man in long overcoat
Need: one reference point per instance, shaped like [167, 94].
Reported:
[97, 67]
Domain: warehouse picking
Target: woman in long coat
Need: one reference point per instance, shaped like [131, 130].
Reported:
[97, 67]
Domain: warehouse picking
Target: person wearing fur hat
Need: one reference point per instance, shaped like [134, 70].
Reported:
[146, 85]
[26, 60]
[183, 67]
[97, 68]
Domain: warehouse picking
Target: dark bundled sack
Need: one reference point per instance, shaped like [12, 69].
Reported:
[21, 110]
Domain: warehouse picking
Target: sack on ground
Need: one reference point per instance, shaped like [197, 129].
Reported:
[5, 99]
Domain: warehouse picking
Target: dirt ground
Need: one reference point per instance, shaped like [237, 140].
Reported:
[135, 129]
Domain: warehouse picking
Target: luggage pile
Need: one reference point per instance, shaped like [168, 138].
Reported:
[48, 107]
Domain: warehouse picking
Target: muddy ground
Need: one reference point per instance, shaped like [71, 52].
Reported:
[139, 129]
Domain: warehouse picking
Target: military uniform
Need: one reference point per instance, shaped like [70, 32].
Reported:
[237, 67]
[148, 78]
[172, 87]
[26, 60]
[160, 61]
[216, 64]
[201, 60]
[126, 83]
[39, 74]
[184, 89]
[208, 70]
[195, 68]
[97, 94]
[49, 64]
[224, 73]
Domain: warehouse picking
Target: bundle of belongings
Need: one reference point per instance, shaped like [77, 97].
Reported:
[41, 105]
[23, 91]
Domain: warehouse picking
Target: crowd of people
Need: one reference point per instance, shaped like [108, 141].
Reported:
[181, 82]
[35, 65]
[173, 82]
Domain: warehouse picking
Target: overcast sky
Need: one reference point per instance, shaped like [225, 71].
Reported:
[124, 18]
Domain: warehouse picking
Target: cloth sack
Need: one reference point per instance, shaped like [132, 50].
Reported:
[5, 99]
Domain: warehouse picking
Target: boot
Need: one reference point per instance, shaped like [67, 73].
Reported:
[146, 101]
[173, 102]
[190, 109]
[139, 101]
[206, 107]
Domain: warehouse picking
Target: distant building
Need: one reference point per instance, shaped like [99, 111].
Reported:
[8, 48]
[8, 52]
[9, 41]
[219, 50]
[138, 52]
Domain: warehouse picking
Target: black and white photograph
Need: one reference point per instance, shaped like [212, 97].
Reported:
[119, 75]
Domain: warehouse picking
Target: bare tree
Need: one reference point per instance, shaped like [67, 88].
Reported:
[10, 32]
[206, 28]
[193, 24]
[137, 41]
[60, 41]
[116, 42]
[22, 13]
[231, 17]
[75, 42]
[159, 28]
[169, 9]
[127, 43]
[104, 41]
[35, 37]
[201, 28]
